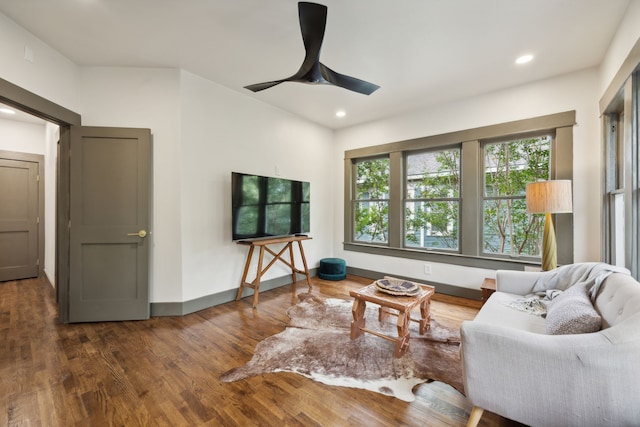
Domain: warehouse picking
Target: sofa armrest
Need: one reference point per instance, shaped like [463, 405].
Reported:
[549, 379]
[516, 282]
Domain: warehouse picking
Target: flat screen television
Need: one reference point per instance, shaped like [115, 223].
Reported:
[268, 207]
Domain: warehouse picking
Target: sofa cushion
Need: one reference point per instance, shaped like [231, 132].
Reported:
[497, 311]
[572, 312]
[618, 299]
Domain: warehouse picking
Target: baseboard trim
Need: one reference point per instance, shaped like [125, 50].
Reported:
[441, 288]
[208, 301]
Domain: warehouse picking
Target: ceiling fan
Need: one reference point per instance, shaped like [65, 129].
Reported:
[313, 20]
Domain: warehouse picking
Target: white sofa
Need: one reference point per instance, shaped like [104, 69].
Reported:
[514, 368]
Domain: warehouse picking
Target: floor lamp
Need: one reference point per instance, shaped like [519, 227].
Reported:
[549, 197]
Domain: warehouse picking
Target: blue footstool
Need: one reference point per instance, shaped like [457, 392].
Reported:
[332, 269]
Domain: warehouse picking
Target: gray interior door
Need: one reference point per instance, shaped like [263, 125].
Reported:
[109, 211]
[18, 219]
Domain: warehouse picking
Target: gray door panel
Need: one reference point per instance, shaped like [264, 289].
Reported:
[18, 219]
[109, 204]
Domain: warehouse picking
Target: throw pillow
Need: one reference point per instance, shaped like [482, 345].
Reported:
[572, 312]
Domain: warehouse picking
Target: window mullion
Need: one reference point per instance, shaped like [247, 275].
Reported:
[610, 156]
[396, 196]
[629, 177]
[635, 140]
[562, 168]
[472, 181]
[349, 192]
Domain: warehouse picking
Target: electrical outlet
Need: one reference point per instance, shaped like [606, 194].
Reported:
[427, 269]
[277, 170]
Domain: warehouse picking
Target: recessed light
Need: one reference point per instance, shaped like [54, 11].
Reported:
[524, 59]
[341, 113]
[7, 111]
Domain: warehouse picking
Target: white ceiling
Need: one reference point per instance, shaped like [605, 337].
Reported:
[421, 52]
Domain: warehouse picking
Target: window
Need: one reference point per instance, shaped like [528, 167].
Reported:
[371, 204]
[432, 199]
[621, 213]
[508, 167]
[459, 198]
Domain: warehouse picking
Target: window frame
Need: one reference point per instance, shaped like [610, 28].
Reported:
[354, 201]
[471, 142]
[484, 197]
[406, 199]
[621, 221]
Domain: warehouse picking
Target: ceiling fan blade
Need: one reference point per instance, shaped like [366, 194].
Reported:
[313, 21]
[347, 82]
[262, 86]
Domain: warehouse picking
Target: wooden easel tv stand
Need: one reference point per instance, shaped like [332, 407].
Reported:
[264, 244]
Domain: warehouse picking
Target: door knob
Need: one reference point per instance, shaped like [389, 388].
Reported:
[141, 233]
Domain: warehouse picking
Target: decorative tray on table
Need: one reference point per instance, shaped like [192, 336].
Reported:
[397, 287]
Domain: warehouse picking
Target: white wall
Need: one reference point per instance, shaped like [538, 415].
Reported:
[52, 135]
[577, 91]
[626, 37]
[146, 98]
[22, 137]
[49, 75]
[224, 132]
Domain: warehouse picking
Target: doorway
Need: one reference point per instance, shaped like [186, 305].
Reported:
[28, 102]
[102, 217]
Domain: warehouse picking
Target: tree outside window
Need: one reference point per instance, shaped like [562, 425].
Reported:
[508, 167]
[432, 199]
[371, 204]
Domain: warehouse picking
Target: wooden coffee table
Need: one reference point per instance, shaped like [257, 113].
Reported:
[403, 305]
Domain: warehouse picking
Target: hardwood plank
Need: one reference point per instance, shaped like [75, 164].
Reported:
[165, 371]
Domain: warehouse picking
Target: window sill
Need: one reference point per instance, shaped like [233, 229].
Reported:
[445, 258]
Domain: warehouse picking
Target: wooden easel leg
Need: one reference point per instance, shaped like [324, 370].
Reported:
[474, 418]
[244, 274]
[256, 282]
[304, 263]
[294, 276]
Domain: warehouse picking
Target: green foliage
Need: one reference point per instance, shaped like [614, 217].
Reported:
[372, 221]
[373, 179]
[372, 206]
[509, 166]
[434, 205]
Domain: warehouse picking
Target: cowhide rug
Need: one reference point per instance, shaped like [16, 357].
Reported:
[317, 345]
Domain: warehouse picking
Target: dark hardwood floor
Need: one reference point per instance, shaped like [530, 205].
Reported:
[165, 371]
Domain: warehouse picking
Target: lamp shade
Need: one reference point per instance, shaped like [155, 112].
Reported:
[549, 196]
